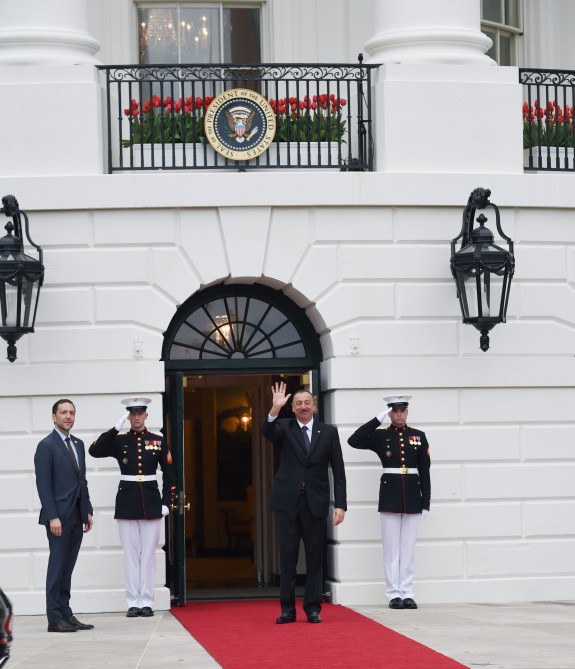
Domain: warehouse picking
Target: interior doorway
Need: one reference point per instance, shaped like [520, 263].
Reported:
[222, 351]
[230, 537]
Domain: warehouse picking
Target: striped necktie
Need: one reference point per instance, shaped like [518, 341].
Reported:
[71, 451]
[306, 438]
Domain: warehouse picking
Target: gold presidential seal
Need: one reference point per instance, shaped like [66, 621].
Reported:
[240, 124]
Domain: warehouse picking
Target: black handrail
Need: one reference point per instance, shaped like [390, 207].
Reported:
[155, 115]
[548, 115]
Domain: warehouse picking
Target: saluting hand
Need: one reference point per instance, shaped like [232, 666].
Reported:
[279, 398]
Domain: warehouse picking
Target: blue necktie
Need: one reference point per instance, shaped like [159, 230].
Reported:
[306, 438]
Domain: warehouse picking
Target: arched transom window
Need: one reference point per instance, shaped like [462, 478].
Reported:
[238, 326]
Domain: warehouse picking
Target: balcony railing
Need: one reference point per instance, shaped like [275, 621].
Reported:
[548, 132]
[323, 115]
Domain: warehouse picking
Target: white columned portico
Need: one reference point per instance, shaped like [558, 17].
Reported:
[37, 32]
[441, 104]
[51, 98]
[429, 31]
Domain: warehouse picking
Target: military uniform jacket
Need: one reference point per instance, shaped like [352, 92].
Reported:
[407, 447]
[138, 454]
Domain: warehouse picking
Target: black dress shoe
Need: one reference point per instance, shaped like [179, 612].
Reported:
[409, 603]
[146, 612]
[72, 620]
[134, 612]
[61, 626]
[313, 617]
[285, 618]
[396, 603]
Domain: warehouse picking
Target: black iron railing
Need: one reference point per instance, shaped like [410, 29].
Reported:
[548, 132]
[156, 114]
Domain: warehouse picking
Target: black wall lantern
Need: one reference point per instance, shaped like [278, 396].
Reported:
[481, 269]
[21, 278]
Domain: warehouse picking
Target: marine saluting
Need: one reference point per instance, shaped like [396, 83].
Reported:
[139, 504]
[404, 493]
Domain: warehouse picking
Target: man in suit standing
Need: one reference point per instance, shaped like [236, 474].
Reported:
[300, 495]
[60, 465]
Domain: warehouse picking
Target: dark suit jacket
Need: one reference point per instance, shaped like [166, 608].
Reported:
[297, 467]
[58, 481]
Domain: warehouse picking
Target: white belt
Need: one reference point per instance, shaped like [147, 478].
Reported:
[400, 470]
[139, 477]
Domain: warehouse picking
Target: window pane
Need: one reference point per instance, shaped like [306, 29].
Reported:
[491, 10]
[504, 50]
[199, 35]
[512, 13]
[157, 35]
[242, 42]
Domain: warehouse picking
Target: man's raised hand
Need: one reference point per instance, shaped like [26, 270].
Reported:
[279, 398]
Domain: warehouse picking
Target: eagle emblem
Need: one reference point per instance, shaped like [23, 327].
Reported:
[240, 121]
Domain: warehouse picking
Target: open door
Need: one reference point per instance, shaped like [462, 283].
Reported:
[222, 533]
[176, 521]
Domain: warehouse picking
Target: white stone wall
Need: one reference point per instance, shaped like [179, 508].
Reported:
[367, 256]
[373, 269]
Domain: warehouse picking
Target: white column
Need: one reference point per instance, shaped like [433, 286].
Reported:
[50, 88]
[428, 31]
[46, 32]
[441, 105]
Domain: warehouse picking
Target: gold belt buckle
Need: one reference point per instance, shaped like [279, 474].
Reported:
[403, 470]
[140, 477]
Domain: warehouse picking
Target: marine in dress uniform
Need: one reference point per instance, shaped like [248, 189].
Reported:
[404, 493]
[139, 504]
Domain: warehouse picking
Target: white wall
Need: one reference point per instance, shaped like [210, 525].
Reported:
[500, 424]
[369, 256]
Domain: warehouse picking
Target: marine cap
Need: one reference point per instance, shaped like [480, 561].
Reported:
[397, 401]
[136, 403]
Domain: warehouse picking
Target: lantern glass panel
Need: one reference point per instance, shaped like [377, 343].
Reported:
[9, 304]
[483, 294]
[29, 301]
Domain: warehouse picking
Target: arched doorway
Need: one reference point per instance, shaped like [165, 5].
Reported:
[224, 348]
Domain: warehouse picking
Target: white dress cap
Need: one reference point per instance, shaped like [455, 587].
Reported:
[136, 403]
[397, 401]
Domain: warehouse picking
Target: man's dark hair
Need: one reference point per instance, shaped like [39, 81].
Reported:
[62, 401]
[301, 389]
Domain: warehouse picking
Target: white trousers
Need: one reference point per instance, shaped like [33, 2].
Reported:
[140, 540]
[398, 536]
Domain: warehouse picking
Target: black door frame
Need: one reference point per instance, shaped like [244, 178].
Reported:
[179, 367]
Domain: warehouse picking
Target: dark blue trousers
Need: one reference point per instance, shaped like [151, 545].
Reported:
[63, 555]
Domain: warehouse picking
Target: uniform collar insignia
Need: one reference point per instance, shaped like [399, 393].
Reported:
[398, 429]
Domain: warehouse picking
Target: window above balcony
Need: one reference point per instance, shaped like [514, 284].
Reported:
[199, 33]
[501, 21]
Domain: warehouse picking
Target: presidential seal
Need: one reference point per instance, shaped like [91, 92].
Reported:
[240, 124]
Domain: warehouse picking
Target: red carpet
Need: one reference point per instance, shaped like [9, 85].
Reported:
[243, 635]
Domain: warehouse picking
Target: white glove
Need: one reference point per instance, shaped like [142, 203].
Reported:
[165, 510]
[121, 421]
[424, 513]
[383, 414]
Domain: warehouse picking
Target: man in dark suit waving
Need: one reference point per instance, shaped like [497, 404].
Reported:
[300, 495]
[60, 465]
